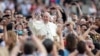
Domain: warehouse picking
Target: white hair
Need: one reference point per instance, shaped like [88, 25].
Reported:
[47, 13]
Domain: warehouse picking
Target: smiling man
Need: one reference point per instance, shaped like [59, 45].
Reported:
[44, 28]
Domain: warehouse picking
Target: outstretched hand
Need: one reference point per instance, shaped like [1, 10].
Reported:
[12, 12]
[93, 27]
[59, 29]
[77, 5]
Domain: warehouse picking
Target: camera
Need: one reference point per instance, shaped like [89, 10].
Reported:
[4, 17]
[52, 8]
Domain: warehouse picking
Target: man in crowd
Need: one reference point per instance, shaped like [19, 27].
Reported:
[44, 29]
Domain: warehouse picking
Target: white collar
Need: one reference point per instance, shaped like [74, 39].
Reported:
[28, 55]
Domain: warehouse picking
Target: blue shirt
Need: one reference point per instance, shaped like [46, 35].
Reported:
[64, 52]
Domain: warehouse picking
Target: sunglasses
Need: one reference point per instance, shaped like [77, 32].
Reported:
[67, 24]
[19, 17]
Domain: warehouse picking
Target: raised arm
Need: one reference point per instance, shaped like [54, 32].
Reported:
[88, 51]
[15, 51]
[59, 13]
[12, 15]
[79, 9]
[59, 31]
[5, 30]
[39, 45]
[88, 31]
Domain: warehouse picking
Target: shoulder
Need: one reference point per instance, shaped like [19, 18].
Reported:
[52, 24]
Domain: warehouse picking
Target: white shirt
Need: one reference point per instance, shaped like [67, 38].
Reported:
[39, 28]
[35, 54]
[92, 10]
[2, 6]
[3, 44]
[25, 8]
[81, 55]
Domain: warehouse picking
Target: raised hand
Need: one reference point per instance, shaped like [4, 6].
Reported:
[59, 29]
[77, 5]
[12, 12]
[93, 26]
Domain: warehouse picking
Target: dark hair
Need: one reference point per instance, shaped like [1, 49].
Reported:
[29, 31]
[1, 40]
[1, 30]
[53, 8]
[97, 45]
[81, 47]
[67, 24]
[4, 17]
[71, 42]
[85, 17]
[6, 10]
[28, 17]
[48, 45]
[9, 26]
[84, 25]
[28, 47]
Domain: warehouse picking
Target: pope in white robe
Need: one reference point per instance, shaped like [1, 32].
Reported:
[44, 28]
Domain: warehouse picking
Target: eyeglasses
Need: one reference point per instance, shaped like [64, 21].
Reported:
[19, 17]
[67, 24]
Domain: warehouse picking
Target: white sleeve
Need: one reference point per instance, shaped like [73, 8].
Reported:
[39, 54]
[31, 27]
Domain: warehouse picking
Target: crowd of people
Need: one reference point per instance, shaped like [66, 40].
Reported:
[49, 28]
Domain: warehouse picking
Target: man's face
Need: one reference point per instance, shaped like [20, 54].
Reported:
[19, 17]
[45, 17]
[83, 21]
[8, 12]
[53, 12]
[19, 27]
[84, 28]
[97, 22]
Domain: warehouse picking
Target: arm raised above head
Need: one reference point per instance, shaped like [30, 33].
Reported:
[39, 45]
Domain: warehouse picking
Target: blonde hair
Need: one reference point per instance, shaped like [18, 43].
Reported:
[12, 39]
[4, 51]
[47, 13]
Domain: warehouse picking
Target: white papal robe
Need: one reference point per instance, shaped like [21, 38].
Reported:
[48, 30]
